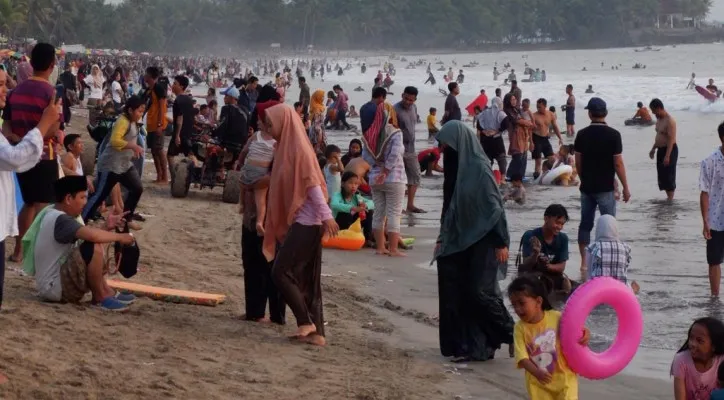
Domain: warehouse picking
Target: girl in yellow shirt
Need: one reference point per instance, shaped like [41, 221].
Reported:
[537, 344]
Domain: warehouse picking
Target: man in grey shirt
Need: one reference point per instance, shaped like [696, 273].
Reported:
[407, 119]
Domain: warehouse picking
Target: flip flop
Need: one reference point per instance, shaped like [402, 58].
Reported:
[417, 211]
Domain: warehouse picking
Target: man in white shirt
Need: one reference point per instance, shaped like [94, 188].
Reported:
[19, 158]
[711, 184]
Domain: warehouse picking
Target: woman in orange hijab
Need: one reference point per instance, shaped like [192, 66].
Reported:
[297, 218]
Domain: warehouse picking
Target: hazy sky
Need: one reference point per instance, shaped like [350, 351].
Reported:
[717, 11]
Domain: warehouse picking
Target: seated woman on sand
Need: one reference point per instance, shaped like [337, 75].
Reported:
[608, 255]
[347, 205]
[354, 151]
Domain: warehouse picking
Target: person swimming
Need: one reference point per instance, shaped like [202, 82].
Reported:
[590, 89]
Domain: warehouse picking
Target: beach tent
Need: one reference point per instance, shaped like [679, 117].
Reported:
[481, 101]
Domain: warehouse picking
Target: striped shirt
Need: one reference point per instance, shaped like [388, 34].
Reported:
[25, 106]
[609, 258]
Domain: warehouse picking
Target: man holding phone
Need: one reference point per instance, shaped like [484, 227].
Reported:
[29, 100]
[545, 249]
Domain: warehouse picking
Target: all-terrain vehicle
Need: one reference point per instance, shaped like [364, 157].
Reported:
[215, 165]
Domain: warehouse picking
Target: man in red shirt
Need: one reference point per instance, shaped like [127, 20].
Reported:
[428, 160]
[23, 111]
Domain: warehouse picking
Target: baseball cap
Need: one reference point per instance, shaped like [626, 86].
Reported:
[596, 104]
[232, 92]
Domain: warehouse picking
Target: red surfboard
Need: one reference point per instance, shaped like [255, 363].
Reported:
[481, 101]
[706, 93]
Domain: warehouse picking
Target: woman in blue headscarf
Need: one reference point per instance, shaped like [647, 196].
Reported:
[471, 252]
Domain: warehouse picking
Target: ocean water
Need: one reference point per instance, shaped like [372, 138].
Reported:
[669, 68]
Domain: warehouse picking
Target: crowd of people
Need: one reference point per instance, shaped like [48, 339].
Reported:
[299, 189]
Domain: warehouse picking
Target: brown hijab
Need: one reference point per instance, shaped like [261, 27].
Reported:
[294, 172]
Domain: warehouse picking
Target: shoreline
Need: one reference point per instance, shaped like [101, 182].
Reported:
[404, 290]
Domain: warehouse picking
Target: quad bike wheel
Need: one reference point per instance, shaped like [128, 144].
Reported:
[232, 187]
[181, 178]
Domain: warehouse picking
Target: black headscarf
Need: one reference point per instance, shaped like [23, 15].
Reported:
[472, 204]
[513, 113]
[266, 93]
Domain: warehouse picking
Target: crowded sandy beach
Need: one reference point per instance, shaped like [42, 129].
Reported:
[412, 239]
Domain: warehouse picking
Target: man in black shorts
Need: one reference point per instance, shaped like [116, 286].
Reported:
[184, 115]
[22, 113]
[543, 119]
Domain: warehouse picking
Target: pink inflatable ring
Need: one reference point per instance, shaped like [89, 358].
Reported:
[598, 291]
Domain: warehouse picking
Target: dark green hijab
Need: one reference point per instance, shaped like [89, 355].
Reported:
[472, 205]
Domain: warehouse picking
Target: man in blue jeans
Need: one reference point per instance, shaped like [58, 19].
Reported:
[598, 159]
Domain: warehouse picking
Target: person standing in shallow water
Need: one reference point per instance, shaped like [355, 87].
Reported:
[598, 159]
[471, 252]
[711, 184]
[665, 149]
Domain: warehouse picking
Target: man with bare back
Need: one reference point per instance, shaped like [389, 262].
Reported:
[665, 148]
[570, 112]
[361, 168]
[543, 120]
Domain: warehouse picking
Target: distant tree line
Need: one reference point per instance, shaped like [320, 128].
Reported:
[177, 26]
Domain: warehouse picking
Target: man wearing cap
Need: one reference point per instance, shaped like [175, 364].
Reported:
[598, 159]
[233, 120]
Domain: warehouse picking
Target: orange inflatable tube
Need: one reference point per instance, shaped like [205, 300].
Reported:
[347, 239]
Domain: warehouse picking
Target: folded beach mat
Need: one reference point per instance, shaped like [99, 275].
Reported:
[18, 196]
[169, 295]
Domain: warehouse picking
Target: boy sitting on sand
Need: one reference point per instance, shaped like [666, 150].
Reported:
[69, 260]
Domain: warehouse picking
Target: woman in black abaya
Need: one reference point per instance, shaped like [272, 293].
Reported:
[472, 252]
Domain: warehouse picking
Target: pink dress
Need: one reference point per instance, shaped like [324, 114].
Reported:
[699, 385]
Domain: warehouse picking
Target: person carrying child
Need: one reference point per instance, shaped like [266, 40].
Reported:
[257, 165]
[536, 341]
[696, 365]
[347, 205]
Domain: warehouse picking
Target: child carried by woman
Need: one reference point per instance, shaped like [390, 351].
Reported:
[257, 165]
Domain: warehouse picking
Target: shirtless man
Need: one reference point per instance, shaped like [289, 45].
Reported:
[665, 148]
[543, 120]
[359, 167]
[570, 112]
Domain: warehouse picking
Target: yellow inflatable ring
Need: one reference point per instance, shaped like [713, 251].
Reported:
[347, 239]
